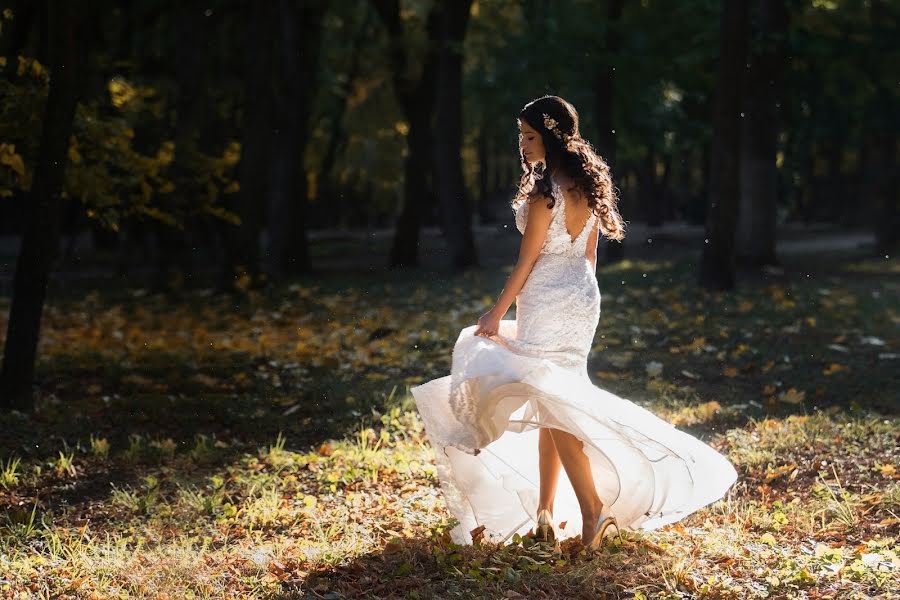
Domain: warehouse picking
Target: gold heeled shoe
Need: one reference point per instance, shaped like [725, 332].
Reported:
[545, 531]
[603, 523]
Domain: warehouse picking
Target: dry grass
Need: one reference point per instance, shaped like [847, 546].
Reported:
[279, 464]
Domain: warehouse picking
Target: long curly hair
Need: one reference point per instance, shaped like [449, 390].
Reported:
[566, 151]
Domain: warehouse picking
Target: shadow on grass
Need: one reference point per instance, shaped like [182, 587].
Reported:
[434, 568]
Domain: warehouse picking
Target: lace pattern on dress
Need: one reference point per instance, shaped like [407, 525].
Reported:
[558, 239]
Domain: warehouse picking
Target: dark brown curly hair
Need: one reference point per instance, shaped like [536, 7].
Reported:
[570, 153]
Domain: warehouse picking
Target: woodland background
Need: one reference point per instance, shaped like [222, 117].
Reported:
[233, 234]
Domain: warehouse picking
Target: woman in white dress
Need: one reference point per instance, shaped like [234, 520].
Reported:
[519, 406]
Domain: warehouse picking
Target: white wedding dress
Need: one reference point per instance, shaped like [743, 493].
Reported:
[482, 420]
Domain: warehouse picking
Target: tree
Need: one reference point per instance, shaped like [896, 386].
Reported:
[415, 94]
[718, 260]
[448, 177]
[759, 137]
[191, 66]
[242, 253]
[606, 78]
[288, 251]
[69, 35]
[880, 172]
[336, 116]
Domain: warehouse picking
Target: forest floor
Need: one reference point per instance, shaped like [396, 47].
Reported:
[266, 445]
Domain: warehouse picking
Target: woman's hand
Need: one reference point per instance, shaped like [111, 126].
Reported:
[488, 324]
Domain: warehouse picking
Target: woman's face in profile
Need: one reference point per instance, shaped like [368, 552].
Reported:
[531, 145]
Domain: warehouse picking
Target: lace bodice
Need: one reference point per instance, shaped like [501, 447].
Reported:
[558, 239]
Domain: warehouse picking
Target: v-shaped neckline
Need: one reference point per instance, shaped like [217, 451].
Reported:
[562, 199]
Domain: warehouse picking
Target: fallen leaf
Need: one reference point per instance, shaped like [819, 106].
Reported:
[833, 368]
[477, 534]
[792, 396]
[887, 470]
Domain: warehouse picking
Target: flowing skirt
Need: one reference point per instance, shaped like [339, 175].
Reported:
[483, 422]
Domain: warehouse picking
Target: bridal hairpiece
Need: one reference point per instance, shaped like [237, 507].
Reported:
[551, 123]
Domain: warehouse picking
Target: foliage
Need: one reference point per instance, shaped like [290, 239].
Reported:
[108, 175]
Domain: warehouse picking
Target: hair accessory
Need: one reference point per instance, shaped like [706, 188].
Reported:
[551, 123]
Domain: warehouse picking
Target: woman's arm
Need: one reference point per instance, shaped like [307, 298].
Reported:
[591, 251]
[536, 227]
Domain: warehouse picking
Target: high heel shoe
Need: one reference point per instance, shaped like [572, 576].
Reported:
[545, 531]
[603, 523]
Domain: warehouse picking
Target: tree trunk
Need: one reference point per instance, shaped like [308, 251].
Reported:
[288, 251]
[40, 242]
[416, 97]
[614, 251]
[448, 176]
[759, 139]
[717, 265]
[881, 176]
[242, 255]
[416, 190]
[651, 189]
[485, 214]
[191, 63]
[338, 140]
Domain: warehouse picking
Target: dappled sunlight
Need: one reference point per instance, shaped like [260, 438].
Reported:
[265, 445]
[816, 506]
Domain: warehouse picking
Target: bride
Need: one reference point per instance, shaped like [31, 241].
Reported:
[519, 406]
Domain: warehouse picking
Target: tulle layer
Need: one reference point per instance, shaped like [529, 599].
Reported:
[483, 422]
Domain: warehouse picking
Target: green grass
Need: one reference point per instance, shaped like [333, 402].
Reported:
[267, 446]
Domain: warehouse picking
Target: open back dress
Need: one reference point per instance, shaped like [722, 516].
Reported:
[483, 419]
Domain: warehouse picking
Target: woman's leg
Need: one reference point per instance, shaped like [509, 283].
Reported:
[577, 465]
[550, 466]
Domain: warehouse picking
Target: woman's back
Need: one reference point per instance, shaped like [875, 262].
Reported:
[559, 240]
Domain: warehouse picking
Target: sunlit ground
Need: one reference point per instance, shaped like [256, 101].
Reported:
[267, 446]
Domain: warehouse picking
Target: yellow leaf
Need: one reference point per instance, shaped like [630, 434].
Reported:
[607, 375]
[232, 153]
[166, 152]
[74, 156]
[9, 158]
[792, 396]
[768, 538]
[120, 92]
[887, 470]
[833, 368]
